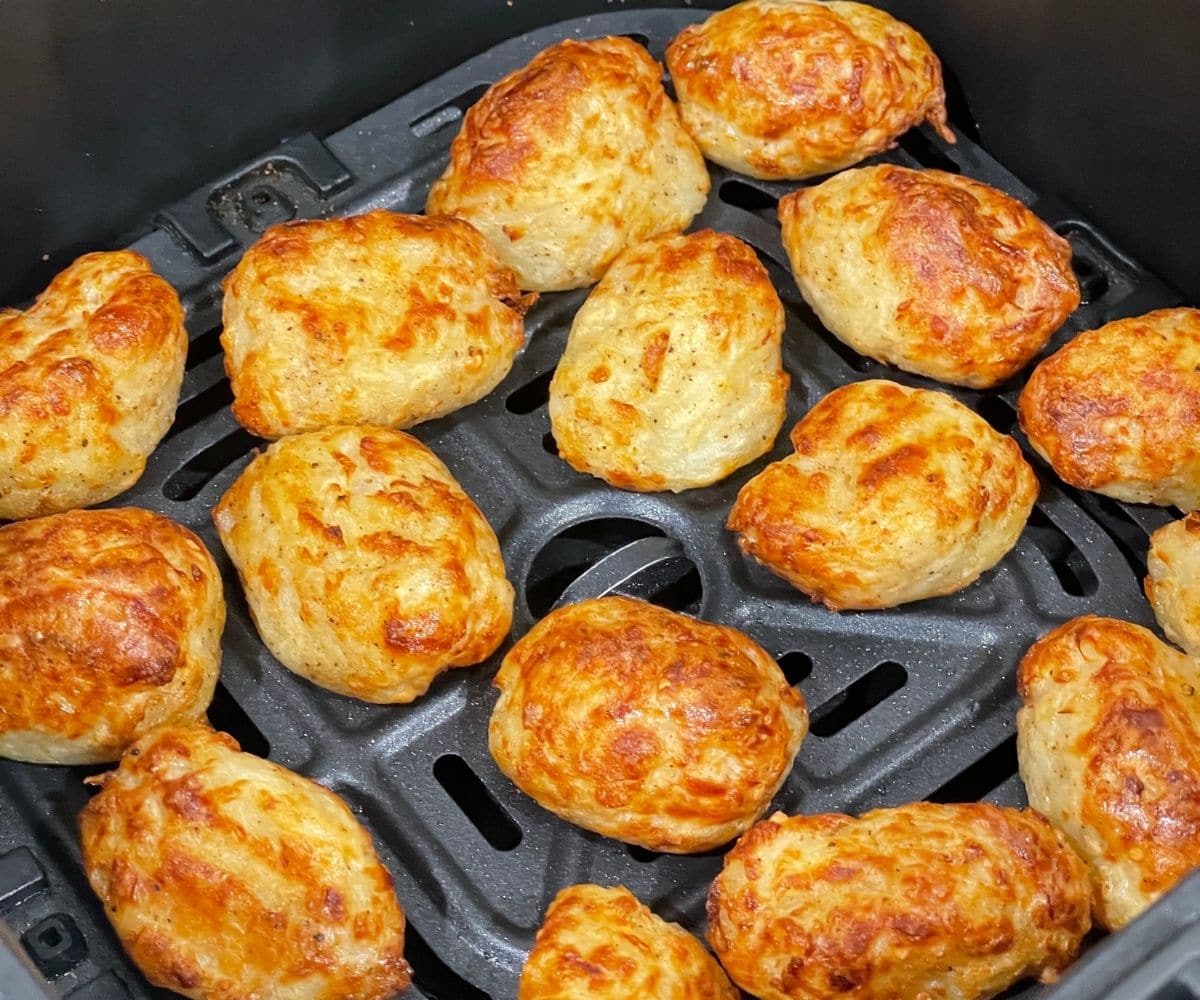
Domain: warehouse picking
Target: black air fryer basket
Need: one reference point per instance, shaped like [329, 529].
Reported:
[913, 703]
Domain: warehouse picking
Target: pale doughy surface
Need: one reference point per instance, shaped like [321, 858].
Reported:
[598, 943]
[227, 877]
[932, 272]
[1109, 744]
[1118, 409]
[1173, 580]
[367, 568]
[672, 378]
[89, 379]
[381, 318]
[892, 495]
[937, 902]
[645, 725]
[794, 88]
[570, 159]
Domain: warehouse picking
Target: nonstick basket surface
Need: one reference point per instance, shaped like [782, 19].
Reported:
[912, 703]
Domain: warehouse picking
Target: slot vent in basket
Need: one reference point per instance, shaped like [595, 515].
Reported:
[997, 412]
[858, 699]
[979, 779]
[199, 470]
[608, 555]
[533, 395]
[922, 149]
[228, 716]
[1075, 576]
[1127, 535]
[683, 594]
[203, 347]
[204, 404]
[797, 666]
[1093, 282]
[476, 801]
[431, 975]
[1087, 254]
[573, 550]
[447, 114]
[957, 107]
[745, 196]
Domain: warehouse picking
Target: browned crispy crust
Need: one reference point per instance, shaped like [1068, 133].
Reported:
[672, 378]
[380, 318]
[227, 877]
[1118, 409]
[89, 379]
[941, 902]
[603, 944]
[792, 88]
[892, 495]
[571, 158]
[645, 725]
[110, 623]
[367, 568]
[1109, 743]
[935, 273]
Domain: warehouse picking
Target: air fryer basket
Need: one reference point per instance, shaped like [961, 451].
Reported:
[916, 702]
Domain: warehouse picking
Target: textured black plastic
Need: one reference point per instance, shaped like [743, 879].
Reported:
[916, 702]
[20, 877]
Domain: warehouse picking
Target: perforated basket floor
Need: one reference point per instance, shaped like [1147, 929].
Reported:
[907, 704]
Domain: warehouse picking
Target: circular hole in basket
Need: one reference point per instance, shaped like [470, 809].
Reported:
[574, 550]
